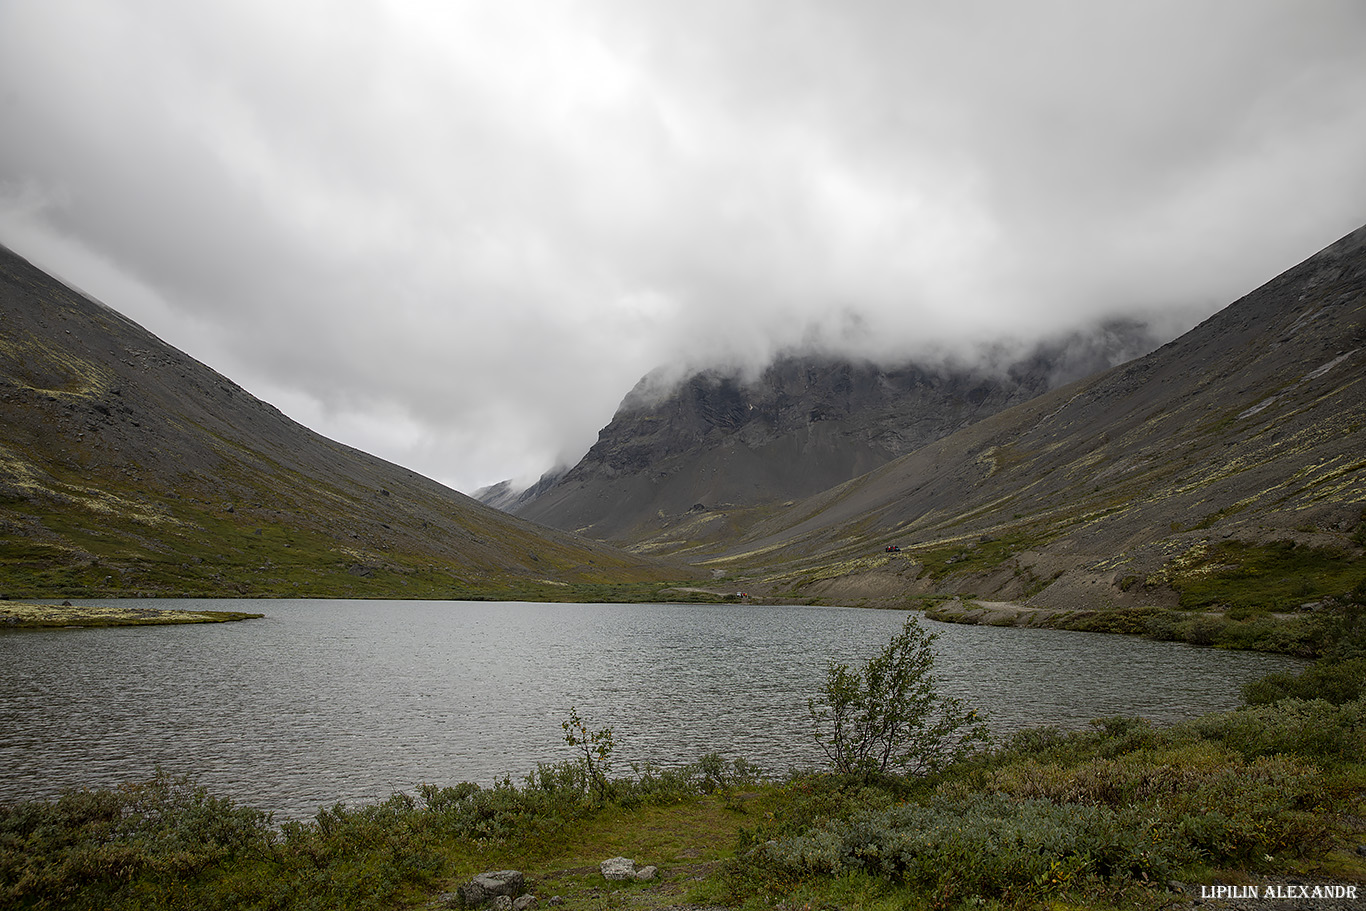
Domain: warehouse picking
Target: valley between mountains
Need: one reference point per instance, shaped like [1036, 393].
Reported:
[1221, 472]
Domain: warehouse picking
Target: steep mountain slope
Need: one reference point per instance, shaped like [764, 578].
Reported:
[128, 467]
[716, 444]
[1125, 488]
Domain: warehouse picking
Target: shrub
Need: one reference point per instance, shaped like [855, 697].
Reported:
[597, 748]
[1337, 682]
[86, 845]
[887, 716]
[550, 797]
[708, 775]
[353, 857]
[1034, 829]
[980, 846]
[1314, 728]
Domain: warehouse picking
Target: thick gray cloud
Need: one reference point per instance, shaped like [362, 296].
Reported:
[455, 233]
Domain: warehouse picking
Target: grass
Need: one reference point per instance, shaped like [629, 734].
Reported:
[262, 531]
[203, 554]
[1267, 577]
[1336, 625]
[980, 555]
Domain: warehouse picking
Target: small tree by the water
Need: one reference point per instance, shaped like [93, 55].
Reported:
[887, 716]
[596, 748]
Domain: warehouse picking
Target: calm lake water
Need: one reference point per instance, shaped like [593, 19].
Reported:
[352, 700]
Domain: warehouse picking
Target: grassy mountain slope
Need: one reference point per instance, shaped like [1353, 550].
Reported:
[1234, 455]
[127, 467]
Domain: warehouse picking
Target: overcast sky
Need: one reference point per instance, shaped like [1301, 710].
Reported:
[455, 233]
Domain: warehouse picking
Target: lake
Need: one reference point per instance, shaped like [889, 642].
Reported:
[327, 701]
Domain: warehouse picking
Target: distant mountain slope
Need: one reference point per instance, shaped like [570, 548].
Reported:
[128, 467]
[1249, 429]
[718, 443]
[507, 496]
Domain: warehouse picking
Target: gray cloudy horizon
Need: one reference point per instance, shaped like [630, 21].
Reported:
[456, 234]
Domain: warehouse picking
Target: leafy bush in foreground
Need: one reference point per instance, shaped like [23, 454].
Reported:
[557, 794]
[887, 716]
[82, 849]
[1050, 814]
[1333, 681]
[1049, 830]
[980, 845]
[168, 844]
[1312, 728]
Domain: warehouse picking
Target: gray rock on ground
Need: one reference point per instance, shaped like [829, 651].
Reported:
[493, 885]
[624, 868]
[618, 869]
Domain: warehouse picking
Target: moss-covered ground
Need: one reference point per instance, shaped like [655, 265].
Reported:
[18, 615]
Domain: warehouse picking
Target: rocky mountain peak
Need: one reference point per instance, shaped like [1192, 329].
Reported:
[722, 438]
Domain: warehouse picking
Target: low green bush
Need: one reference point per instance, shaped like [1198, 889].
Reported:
[1312, 728]
[1332, 681]
[1239, 629]
[167, 843]
[1049, 814]
[81, 849]
[984, 846]
[557, 794]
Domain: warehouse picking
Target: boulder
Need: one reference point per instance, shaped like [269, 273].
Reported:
[486, 886]
[618, 868]
[645, 874]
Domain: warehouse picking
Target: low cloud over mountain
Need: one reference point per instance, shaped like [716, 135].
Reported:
[455, 234]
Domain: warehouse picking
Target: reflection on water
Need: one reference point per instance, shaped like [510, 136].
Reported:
[352, 700]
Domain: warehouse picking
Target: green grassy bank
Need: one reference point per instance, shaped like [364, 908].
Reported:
[1304, 635]
[21, 615]
[1280, 597]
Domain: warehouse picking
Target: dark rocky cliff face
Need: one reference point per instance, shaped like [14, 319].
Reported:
[719, 441]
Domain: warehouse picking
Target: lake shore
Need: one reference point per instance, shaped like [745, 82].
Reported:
[1305, 635]
[27, 615]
